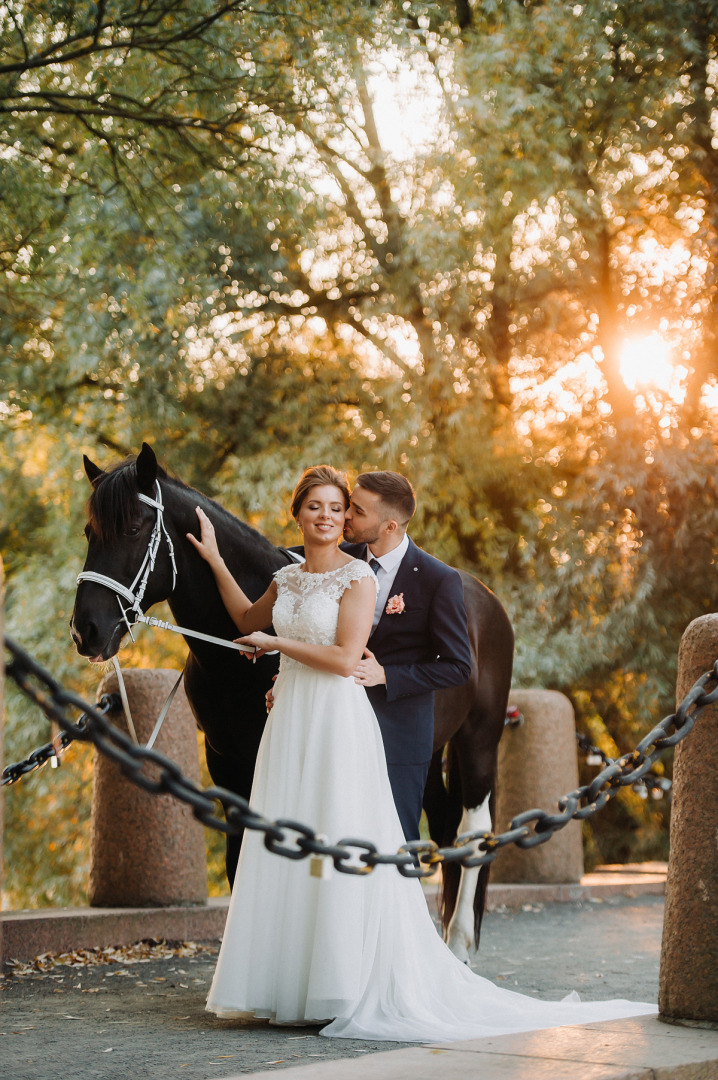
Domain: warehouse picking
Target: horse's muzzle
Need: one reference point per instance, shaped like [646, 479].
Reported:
[93, 644]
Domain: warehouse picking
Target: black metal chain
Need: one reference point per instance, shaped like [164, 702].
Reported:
[650, 782]
[108, 703]
[156, 773]
[111, 703]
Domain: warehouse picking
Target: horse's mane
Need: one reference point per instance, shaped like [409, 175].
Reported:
[113, 506]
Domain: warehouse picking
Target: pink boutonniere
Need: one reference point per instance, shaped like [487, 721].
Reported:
[395, 605]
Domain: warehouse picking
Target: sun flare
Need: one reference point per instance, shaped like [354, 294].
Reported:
[646, 362]
[406, 104]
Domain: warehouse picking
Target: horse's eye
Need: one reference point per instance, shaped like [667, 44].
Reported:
[133, 529]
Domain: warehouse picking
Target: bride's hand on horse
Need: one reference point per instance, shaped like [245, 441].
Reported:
[263, 643]
[207, 543]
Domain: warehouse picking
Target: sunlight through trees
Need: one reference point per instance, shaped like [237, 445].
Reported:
[476, 243]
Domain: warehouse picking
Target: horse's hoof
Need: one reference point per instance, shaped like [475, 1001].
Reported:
[459, 950]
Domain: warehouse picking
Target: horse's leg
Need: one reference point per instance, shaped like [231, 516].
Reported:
[462, 925]
[470, 718]
[443, 795]
[442, 803]
[229, 707]
[473, 758]
[231, 772]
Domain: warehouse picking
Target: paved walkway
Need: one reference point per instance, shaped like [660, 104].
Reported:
[634, 879]
[639, 1049]
[147, 1019]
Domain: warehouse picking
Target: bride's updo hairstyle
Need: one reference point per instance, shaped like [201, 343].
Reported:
[316, 476]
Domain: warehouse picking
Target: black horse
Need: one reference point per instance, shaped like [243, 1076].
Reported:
[227, 694]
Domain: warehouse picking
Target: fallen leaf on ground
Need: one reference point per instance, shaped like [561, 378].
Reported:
[139, 953]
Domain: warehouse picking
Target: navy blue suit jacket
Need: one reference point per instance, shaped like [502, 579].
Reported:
[422, 649]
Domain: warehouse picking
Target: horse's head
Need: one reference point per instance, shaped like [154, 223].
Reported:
[120, 534]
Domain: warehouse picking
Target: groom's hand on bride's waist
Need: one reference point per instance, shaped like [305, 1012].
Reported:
[369, 671]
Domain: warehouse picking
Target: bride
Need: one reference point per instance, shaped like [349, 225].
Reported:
[357, 953]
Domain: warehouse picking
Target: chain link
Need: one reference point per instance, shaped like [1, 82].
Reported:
[109, 703]
[156, 773]
[648, 782]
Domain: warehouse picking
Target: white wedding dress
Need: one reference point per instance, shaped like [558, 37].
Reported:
[359, 951]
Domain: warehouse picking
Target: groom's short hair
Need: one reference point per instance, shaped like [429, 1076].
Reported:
[394, 491]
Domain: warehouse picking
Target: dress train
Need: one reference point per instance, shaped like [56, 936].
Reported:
[360, 952]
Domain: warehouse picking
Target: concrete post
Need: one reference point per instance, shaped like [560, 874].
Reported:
[147, 850]
[688, 987]
[538, 762]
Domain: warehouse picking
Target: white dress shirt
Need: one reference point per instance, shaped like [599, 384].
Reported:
[388, 567]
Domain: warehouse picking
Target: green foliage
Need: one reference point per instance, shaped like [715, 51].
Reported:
[233, 245]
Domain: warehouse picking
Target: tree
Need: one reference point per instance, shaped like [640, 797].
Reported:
[280, 281]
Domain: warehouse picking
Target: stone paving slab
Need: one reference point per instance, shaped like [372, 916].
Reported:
[640, 1042]
[634, 1049]
[430, 1064]
[147, 1019]
[591, 886]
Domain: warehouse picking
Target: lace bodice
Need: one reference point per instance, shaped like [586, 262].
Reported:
[307, 605]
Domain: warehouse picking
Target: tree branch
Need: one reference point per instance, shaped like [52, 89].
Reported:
[53, 54]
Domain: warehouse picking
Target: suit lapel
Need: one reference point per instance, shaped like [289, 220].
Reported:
[407, 581]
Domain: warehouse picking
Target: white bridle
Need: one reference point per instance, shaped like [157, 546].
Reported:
[134, 595]
[136, 592]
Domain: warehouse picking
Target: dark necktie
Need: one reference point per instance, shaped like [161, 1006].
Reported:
[375, 565]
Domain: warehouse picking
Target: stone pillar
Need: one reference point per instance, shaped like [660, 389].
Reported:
[688, 988]
[147, 850]
[538, 762]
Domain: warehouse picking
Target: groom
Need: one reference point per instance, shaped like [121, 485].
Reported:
[419, 641]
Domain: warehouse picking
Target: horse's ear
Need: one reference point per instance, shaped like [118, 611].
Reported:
[146, 466]
[93, 472]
